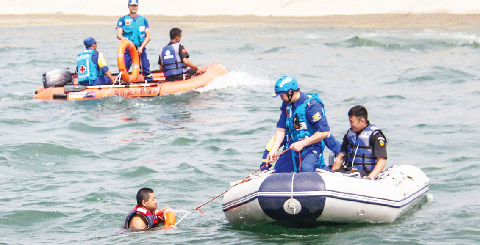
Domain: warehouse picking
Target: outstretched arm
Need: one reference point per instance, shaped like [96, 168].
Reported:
[279, 136]
[187, 62]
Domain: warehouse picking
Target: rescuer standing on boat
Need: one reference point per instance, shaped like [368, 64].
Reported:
[303, 123]
[135, 28]
[92, 68]
[364, 147]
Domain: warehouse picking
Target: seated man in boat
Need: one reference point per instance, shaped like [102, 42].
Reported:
[303, 123]
[173, 59]
[144, 215]
[92, 68]
[364, 146]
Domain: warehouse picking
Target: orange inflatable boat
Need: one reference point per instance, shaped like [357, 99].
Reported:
[61, 84]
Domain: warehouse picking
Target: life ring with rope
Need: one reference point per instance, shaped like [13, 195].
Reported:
[168, 216]
[124, 45]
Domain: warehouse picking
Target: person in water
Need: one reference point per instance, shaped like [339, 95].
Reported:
[173, 59]
[143, 215]
[92, 68]
[135, 28]
[304, 127]
[364, 146]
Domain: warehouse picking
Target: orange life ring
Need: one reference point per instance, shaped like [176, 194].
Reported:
[168, 216]
[124, 45]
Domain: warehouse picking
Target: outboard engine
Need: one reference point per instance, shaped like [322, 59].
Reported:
[57, 78]
[331, 159]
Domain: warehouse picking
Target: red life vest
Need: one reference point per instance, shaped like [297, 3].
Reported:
[152, 219]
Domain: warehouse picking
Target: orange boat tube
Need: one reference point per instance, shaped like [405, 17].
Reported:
[157, 88]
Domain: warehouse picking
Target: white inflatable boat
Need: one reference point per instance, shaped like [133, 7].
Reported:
[323, 196]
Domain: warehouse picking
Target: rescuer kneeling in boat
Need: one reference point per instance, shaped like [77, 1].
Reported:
[92, 68]
[173, 59]
[364, 147]
[303, 123]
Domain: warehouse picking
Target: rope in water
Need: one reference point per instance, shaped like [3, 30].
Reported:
[242, 181]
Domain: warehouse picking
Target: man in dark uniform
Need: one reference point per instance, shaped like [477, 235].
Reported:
[364, 147]
[173, 59]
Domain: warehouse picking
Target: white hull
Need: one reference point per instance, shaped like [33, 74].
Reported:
[325, 197]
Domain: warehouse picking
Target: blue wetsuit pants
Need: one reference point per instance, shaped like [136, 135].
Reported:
[310, 160]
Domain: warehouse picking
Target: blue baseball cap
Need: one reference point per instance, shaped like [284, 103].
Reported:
[132, 2]
[89, 42]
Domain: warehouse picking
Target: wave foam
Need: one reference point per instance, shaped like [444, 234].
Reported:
[233, 79]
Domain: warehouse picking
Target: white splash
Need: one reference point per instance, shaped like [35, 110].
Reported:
[234, 79]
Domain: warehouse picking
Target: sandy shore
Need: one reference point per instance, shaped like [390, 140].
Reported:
[412, 21]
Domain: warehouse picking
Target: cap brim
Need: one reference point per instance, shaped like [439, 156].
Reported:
[277, 94]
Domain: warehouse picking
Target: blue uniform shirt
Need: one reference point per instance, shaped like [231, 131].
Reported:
[315, 107]
[121, 22]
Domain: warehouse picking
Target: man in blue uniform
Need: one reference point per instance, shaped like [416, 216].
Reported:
[173, 59]
[303, 125]
[364, 147]
[135, 28]
[91, 66]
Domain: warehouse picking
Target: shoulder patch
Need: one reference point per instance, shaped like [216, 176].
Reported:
[316, 117]
[381, 141]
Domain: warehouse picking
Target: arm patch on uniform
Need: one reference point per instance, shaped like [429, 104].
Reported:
[316, 117]
[381, 141]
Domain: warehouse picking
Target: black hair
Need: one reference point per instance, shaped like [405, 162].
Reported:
[175, 32]
[358, 111]
[143, 194]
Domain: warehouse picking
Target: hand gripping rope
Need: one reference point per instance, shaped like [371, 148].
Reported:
[240, 182]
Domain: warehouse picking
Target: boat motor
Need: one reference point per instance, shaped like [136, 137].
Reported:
[57, 78]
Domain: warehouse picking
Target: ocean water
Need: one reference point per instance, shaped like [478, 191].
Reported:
[70, 170]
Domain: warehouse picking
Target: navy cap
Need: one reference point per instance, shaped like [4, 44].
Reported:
[89, 42]
[132, 2]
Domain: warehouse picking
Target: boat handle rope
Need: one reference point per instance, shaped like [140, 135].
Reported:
[223, 193]
[291, 204]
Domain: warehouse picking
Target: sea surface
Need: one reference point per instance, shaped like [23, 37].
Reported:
[70, 170]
